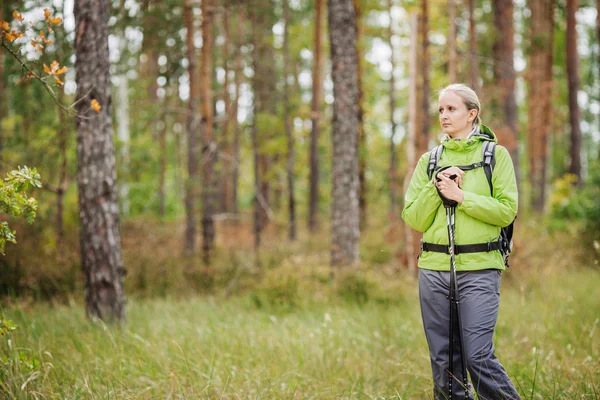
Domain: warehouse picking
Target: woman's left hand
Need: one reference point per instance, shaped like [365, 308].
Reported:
[449, 189]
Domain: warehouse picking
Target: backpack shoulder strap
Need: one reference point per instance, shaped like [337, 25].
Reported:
[489, 161]
[434, 159]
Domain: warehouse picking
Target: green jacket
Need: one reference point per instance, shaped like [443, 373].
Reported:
[478, 219]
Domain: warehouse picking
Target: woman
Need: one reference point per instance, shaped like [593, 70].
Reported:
[478, 219]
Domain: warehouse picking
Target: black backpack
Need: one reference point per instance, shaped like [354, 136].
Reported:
[488, 162]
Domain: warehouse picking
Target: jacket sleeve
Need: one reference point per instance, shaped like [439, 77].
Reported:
[421, 200]
[501, 209]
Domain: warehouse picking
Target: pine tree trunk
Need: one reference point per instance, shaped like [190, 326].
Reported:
[540, 88]
[264, 88]
[191, 129]
[345, 211]
[393, 172]
[362, 139]
[504, 71]
[100, 239]
[226, 142]
[473, 57]
[288, 125]
[573, 75]
[424, 68]
[317, 85]
[413, 133]
[236, 130]
[209, 148]
[452, 62]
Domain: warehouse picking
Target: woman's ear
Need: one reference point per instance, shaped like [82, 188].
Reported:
[472, 115]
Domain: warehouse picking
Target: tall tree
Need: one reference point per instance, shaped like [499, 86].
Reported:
[100, 239]
[412, 144]
[191, 127]
[393, 172]
[317, 88]
[226, 140]
[539, 76]
[288, 124]
[239, 74]
[263, 82]
[344, 71]
[209, 148]
[362, 139]
[473, 56]
[424, 68]
[504, 71]
[573, 75]
[452, 62]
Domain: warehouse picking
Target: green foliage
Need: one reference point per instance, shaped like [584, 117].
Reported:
[6, 326]
[579, 206]
[15, 202]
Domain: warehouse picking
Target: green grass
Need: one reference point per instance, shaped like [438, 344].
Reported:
[316, 347]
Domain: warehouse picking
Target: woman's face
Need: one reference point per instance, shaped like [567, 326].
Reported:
[455, 119]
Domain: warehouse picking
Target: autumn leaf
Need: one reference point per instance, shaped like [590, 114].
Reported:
[12, 36]
[46, 41]
[61, 71]
[95, 105]
[47, 69]
[56, 78]
[5, 25]
[55, 20]
[17, 15]
[47, 13]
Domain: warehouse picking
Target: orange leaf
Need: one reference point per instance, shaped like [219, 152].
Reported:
[10, 37]
[47, 13]
[40, 48]
[61, 71]
[57, 80]
[46, 69]
[55, 20]
[5, 25]
[17, 15]
[95, 105]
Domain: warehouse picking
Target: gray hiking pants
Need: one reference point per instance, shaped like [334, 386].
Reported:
[479, 293]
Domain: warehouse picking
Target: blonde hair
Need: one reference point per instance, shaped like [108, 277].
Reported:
[468, 96]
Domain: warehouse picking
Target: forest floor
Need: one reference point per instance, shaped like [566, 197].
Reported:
[265, 345]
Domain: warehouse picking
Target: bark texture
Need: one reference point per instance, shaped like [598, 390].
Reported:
[573, 74]
[345, 218]
[100, 239]
[539, 76]
[504, 71]
[317, 87]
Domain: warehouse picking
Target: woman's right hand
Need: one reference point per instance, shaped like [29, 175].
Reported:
[448, 172]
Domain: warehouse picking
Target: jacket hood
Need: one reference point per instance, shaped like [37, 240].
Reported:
[482, 133]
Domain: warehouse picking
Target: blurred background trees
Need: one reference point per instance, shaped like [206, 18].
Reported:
[270, 123]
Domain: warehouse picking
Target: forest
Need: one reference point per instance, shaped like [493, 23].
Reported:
[203, 198]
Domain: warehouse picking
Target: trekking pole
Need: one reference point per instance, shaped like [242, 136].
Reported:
[454, 308]
[453, 296]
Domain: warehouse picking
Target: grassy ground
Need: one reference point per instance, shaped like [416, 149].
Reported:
[325, 345]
